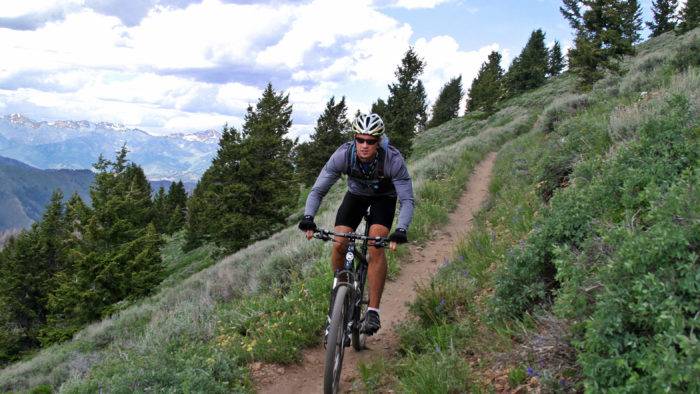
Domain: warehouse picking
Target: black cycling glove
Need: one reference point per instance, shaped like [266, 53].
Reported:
[307, 223]
[399, 236]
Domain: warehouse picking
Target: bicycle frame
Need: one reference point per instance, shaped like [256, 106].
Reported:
[345, 313]
[354, 276]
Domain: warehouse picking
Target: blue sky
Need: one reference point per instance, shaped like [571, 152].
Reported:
[186, 65]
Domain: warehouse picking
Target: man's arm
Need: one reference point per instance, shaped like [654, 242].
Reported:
[404, 191]
[326, 179]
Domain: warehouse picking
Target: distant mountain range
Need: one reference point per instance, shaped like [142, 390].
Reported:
[25, 190]
[77, 145]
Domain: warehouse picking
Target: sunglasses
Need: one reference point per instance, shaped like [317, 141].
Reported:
[366, 141]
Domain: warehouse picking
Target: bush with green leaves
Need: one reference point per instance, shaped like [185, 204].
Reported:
[618, 248]
[642, 335]
[562, 108]
[687, 56]
[442, 371]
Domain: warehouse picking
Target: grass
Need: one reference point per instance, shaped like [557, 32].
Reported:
[233, 305]
[267, 302]
[467, 308]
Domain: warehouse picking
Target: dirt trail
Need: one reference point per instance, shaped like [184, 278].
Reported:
[307, 377]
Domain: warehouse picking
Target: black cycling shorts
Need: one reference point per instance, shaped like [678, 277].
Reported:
[354, 207]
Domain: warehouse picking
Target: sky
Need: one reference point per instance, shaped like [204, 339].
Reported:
[168, 66]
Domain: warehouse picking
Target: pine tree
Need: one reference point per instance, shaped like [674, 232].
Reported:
[176, 207]
[19, 297]
[28, 267]
[556, 60]
[529, 69]
[446, 106]
[112, 261]
[689, 16]
[405, 111]
[329, 134]
[161, 211]
[249, 189]
[487, 87]
[664, 17]
[378, 107]
[605, 30]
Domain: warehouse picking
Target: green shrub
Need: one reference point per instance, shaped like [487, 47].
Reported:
[437, 372]
[517, 376]
[687, 56]
[641, 336]
[42, 389]
[415, 337]
[560, 109]
[609, 191]
[274, 327]
[443, 301]
[374, 374]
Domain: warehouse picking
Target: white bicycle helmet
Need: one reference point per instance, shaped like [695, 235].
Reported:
[370, 124]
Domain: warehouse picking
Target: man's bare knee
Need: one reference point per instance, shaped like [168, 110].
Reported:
[341, 245]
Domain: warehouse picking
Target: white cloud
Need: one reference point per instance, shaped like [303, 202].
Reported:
[414, 4]
[445, 60]
[321, 23]
[205, 34]
[87, 65]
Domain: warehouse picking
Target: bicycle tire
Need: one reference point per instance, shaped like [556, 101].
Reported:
[335, 346]
[358, 338]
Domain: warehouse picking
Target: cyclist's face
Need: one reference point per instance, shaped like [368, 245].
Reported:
[366, 151]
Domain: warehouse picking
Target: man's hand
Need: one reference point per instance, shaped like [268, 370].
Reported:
[399, 236]
[307, 225]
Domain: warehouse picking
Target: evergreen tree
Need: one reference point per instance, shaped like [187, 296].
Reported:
[405, 110]
[446, 106]
[529, 69]
[664, 17]
[28, 266]
[161, 211]
[556, 60]
[329, 134]
[77, 214]
[689, 16]
[487, 87]
[19, 297]
[605, 31]
[249, 189]
[112, 261]
[378, 107]
[176, 207]
[422, 104]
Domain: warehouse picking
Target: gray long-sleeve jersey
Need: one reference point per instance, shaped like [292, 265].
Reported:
[394, 169]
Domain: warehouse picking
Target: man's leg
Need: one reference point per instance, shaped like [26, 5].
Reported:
[376, 274]
[339, 246]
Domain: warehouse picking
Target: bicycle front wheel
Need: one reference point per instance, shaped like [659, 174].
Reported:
[335, 344]
[359, 338]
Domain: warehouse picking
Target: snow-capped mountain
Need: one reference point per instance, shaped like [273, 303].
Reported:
[78, 144]
[206, 136]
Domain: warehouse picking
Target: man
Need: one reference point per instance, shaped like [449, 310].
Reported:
[377, 174]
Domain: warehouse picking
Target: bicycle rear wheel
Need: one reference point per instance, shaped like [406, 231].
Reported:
[335, 345]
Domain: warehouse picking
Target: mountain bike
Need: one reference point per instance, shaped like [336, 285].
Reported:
[348, 304]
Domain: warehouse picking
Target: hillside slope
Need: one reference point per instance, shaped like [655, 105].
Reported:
[267, 302]
[200, 333]
[25, 190]
[581, 273]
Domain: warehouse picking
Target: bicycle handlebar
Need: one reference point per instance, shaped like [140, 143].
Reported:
[325, 235]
